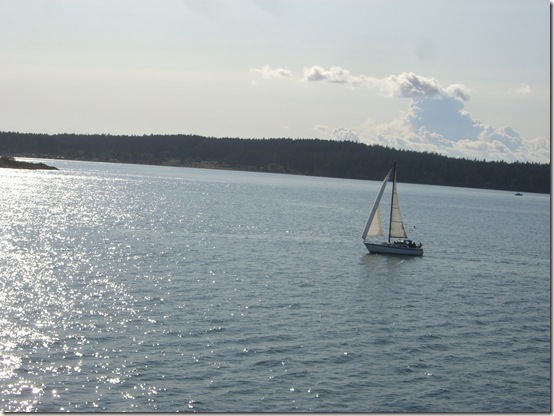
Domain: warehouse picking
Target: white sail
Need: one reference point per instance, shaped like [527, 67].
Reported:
[376, 227]
[374, 215]
[396, 225]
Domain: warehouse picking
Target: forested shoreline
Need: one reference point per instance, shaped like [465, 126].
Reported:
[340, 159]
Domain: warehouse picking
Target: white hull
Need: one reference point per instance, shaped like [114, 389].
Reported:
[391, 248]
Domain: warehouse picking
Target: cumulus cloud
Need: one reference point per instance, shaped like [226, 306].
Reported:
[410, 85]
[267, 72]
[523, 89]
[443, 116]
[435, 121]
[442, 126]
[345, 134]
[404, 85]
[458, 91]
[335, 74]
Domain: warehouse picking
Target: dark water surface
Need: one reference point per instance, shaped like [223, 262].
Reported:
[139, 288]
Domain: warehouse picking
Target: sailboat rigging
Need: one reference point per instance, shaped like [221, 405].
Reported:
[400, 243]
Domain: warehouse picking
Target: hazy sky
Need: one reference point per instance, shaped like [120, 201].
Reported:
[466, 78]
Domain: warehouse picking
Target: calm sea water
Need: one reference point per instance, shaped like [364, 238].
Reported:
[140, 288]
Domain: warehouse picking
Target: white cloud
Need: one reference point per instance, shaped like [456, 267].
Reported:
[441, 126]
[458, 91]
[404, 85]
[523, 89]
[444, 116]
[335, 74]
[345, 134]
[438, 126]
[267, 72]
[435, 121]
[410, 85]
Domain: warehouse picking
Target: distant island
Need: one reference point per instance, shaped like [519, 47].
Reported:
[314, 157]
[11, 163]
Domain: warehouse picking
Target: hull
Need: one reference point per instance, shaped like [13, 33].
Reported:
[388, 248]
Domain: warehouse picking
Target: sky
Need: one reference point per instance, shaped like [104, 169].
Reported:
[463, 78]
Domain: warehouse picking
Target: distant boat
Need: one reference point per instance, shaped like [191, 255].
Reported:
[374, 228]
[518, 194]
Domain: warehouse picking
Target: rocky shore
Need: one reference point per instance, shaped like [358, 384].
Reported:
[11, 163]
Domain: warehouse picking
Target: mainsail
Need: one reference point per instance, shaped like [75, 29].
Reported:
[396, 229]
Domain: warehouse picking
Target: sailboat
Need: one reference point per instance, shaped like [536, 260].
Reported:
[397, 242]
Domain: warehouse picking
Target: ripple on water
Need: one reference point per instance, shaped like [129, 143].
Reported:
[128, 288]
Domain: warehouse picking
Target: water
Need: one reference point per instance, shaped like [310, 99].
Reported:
[141, 288]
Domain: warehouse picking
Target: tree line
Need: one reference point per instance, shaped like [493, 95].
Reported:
[340, 159]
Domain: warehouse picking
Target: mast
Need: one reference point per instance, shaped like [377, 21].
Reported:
[392, 197]
[396, 225]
